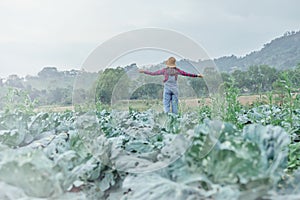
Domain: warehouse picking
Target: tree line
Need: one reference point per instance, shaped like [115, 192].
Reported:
[51, 87]
[255, 80]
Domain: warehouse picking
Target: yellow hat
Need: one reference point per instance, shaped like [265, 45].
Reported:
[171, 62]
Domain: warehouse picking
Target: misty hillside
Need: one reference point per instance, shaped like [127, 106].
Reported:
[281, 53]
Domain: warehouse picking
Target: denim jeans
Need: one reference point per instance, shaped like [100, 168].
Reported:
[170, 98]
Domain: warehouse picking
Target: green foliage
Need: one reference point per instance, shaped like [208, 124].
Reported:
[256, 79]
[18, 100]
[106, 83]
[199, 86]
[255, 158]
[285, 89]
[204, 112]
[47, 154]
[51, 87]
[282, 109]
[89, 150]
[294, 156]
[233, 107]
[148, 91]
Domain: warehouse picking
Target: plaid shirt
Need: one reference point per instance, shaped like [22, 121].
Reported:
[164, 72]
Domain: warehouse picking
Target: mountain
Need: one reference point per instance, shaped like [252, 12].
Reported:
[281, 53]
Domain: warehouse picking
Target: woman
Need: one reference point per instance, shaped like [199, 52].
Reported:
[170, 96]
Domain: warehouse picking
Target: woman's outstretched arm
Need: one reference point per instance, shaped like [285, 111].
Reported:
[158, 72]
[183, 73]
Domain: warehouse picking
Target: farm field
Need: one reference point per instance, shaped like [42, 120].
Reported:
[84, 86]
[241, 152]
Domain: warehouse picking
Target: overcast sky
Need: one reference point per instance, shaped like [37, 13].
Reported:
[62, 33]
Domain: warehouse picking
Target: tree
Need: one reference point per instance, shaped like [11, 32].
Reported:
[62, 96]
[199, 86]
[48, 72]
[260, 78]
[14, 81]
[106, 83]
[294, 76]
[241, 80]
[148, 91]
[269, 76]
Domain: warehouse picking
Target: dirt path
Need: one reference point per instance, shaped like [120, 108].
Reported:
[244, 100]
[53, 108]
